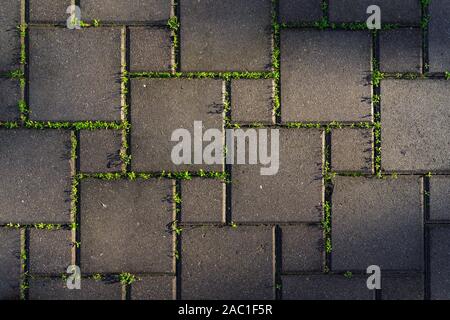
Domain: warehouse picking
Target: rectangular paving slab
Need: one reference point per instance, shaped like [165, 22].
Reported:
[352, 150]
[440, 262]
[50, 251]
[9, 35]
[392, 11]
[56, 289]
[292, 11]
[440, 197]
[227, 263]
[9, 264]
[100, 151]
[325, 287]
[62, 84]
[439, 36]
[293, 194]
[401, 50]
[150, 49]
[415, 132]
[9, 99]
[153, 288]
[325, 76]
[202, 200]
[125, 226]
[123, 11]
[377, 222]
[402, 287]
[161, 106]
[231, 35]
[36, 176]
[302, 248]
[49, 11]
[252, 101]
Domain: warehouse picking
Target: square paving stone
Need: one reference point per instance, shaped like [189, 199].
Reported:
[9, 35]
[56, 289]
[231, 35]
[150, 49]
[100, 150]
[203, 200]
[300, 10]
[415, 131]
[124, 226]
[377, 222]
[440, 262]
[9, 264]
[227, 263]
[440, 197]
[252, 101]
[50, 251]
[402, 287]
[392, 11]
[36, 176]
[49, 11]
[302, 248]
[325, 287]
[325, 75]
[161, 106]
[9, 99]
[126, 10]
[294, 194]
[153, 288]
[439, 36]
[401, 50]
[352, 150]
[75, 74]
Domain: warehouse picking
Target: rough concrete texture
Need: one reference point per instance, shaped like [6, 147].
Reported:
[377, 222]
[325, 76]
[87, 175]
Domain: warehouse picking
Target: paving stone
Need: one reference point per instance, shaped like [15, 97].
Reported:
[63, 86]
[300, 10]
[401, 50]
[202, 200]
[182, 101]
[252, 101]
[377, 222]
[124, 226]
[392, 11]
[302, 248]
[100, 150]
[325, 76]
[352, 150]
[150, 49]
[50, 251]
[325, 287]
[49, 11]
[36, 176]
[440, 197]
[402, 287]
[231, 35]
[294, 194]
[56, 289]
[9, 36]
[153, 288]
[440, 262]
[439, 36]
[9, 97]
[227, 263]
[9, 264]
[130, 10]
[425, 144]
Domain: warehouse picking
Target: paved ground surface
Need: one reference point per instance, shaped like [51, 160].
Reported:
[86, 177]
